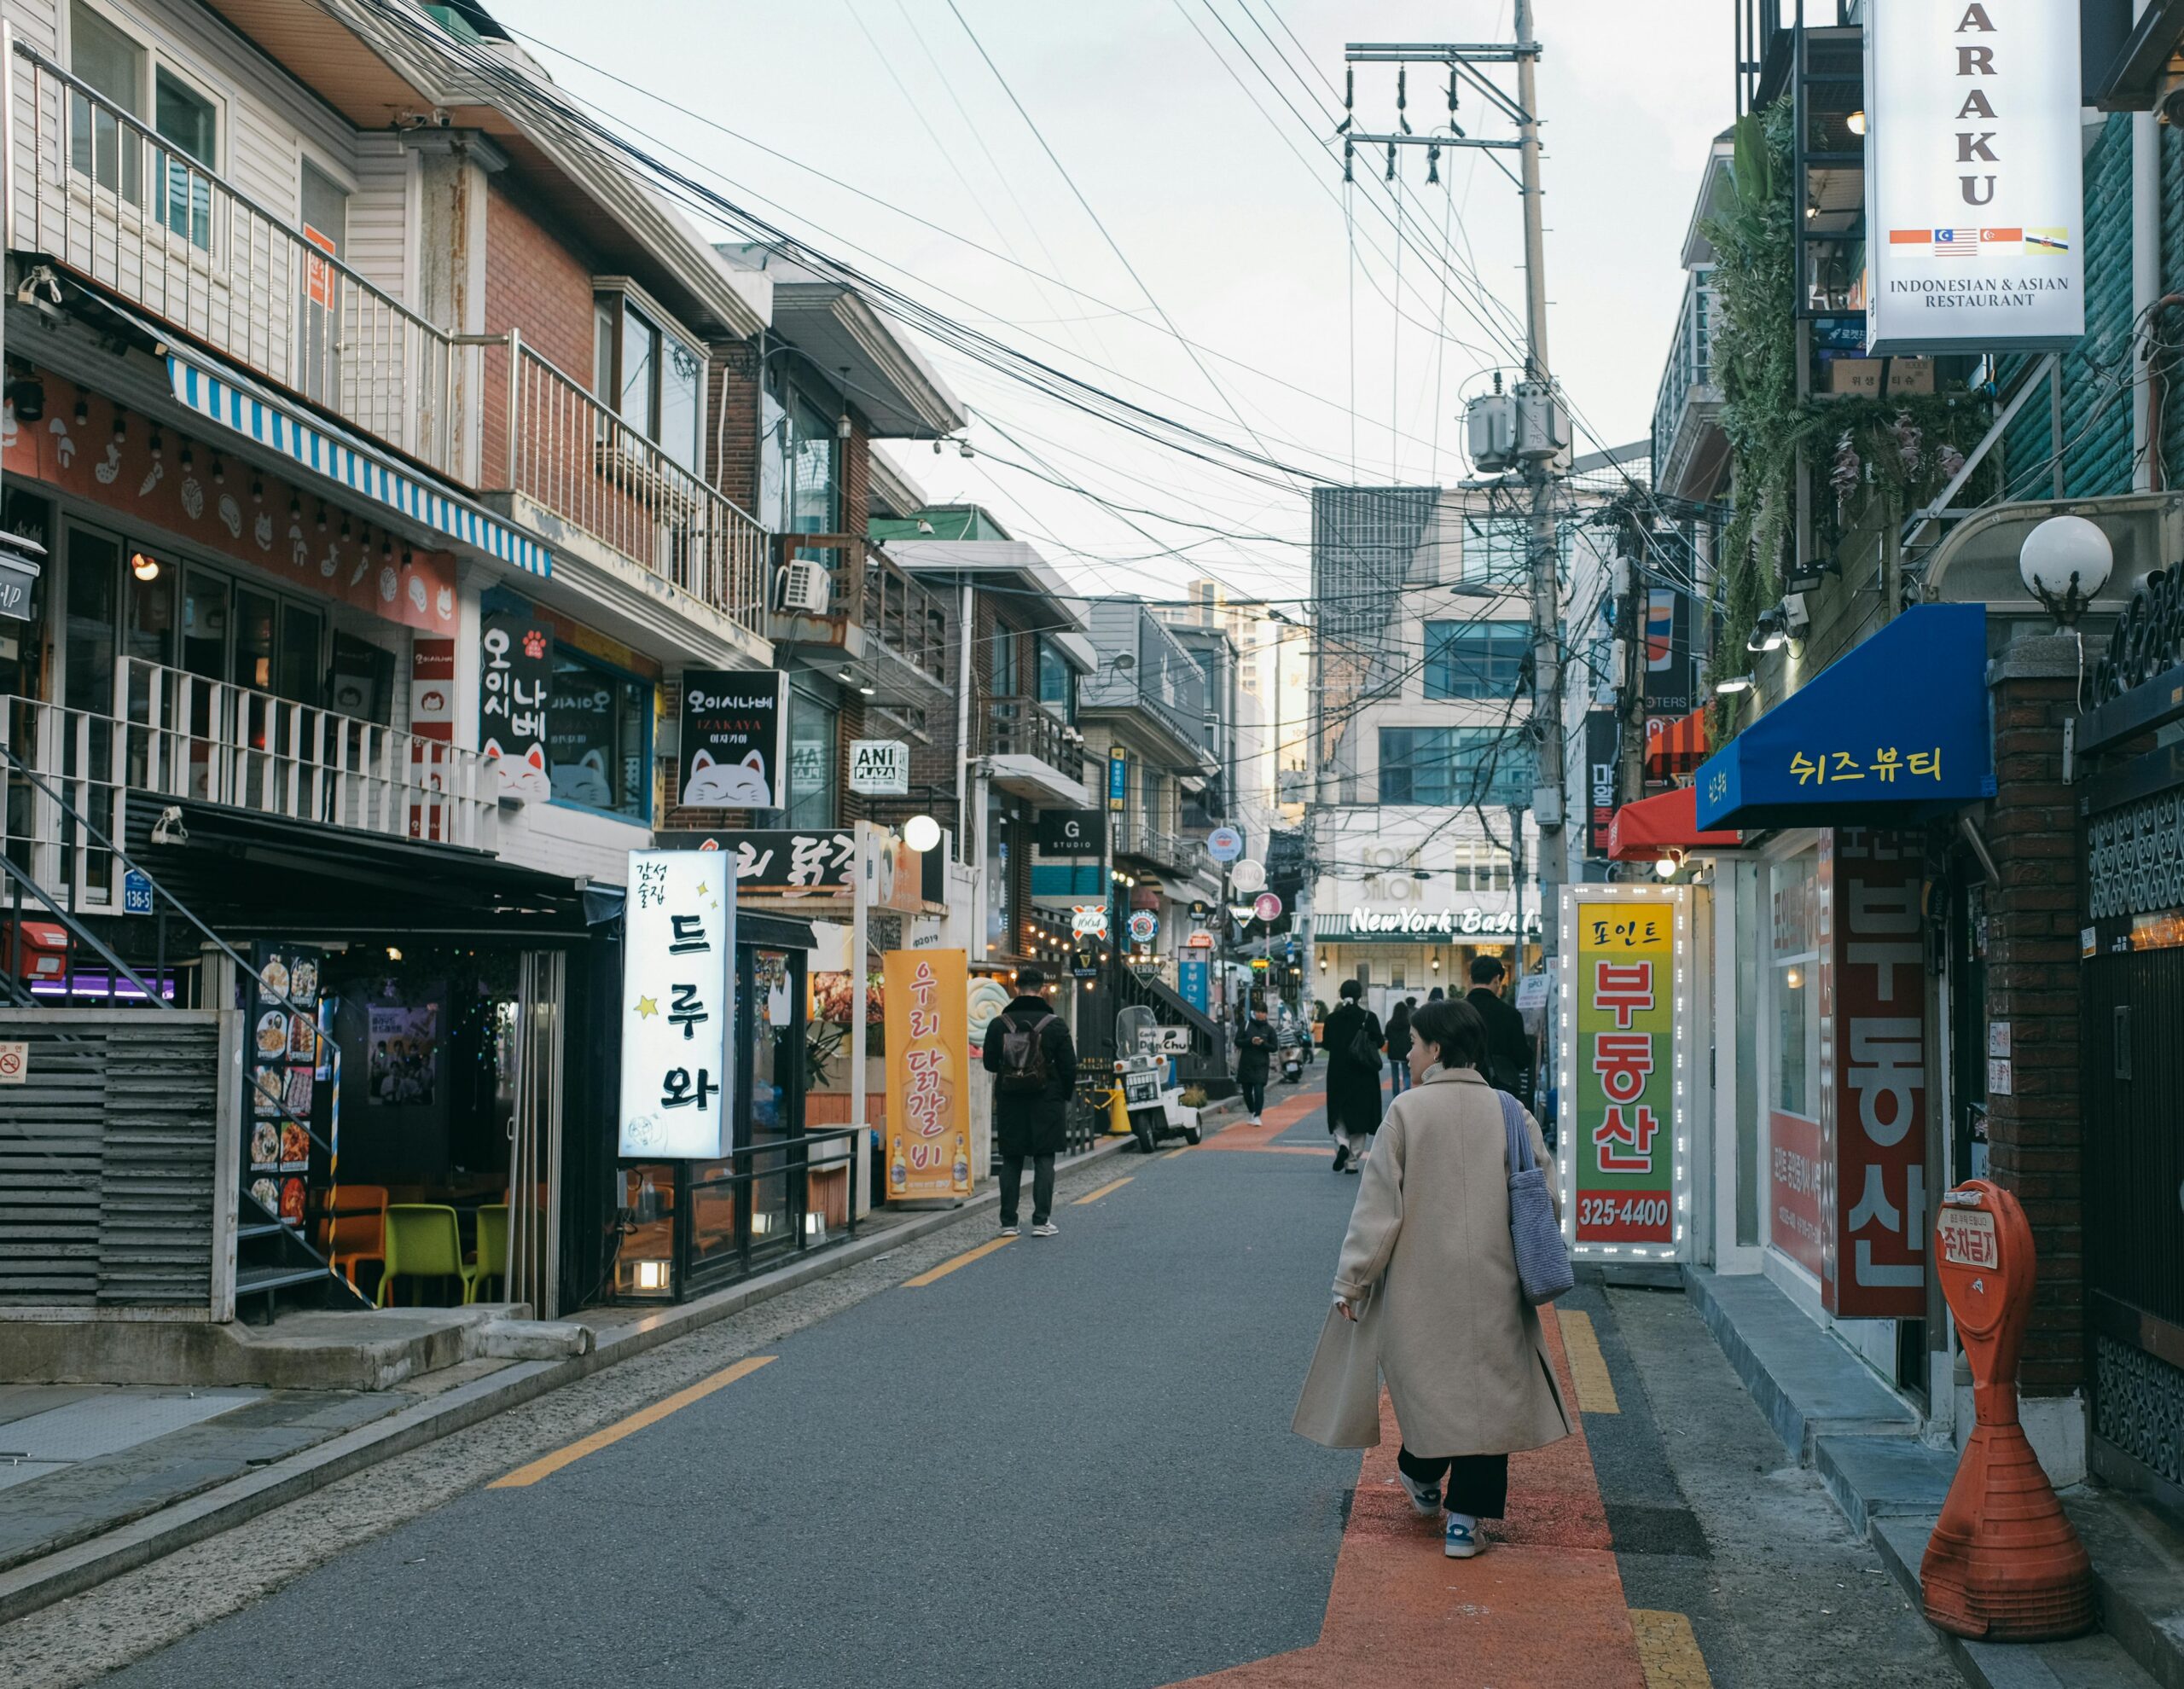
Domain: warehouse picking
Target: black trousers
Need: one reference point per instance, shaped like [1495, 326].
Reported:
[1478, 1484]
[1254, 1092]
[1012, 1186]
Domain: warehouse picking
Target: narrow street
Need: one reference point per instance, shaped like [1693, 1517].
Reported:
[1057, 1461]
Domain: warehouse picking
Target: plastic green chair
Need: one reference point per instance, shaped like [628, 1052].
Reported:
[422, 1243]
[491, 1260]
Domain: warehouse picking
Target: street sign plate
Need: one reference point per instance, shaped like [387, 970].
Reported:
[1967, 1236]
[1267, 906]
[15, 583]
[14, 1063]
[1247, 877]
[135, 892]
[1224, 843]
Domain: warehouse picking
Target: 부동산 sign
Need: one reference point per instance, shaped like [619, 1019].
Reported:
[733, 749]
[1974, 191]
[679, 1005]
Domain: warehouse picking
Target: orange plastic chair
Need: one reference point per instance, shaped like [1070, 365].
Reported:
[356, 1232]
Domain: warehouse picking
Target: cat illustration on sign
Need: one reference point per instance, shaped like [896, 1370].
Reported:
[584, 781]
[728, 786]
[523, 777]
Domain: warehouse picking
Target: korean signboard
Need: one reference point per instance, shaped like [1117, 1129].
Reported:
[880, 768]
[1622, 1179]
[1672, 672]
[1599, 780]
[812, 862]
[928, 1075]
[514, 672]
[1973, 185]
[678, 1006]
[1117, 778]
[1071, 833]
[733, 750]
[1874, 1115]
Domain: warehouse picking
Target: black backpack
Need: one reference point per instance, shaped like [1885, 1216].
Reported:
[1023, 1056]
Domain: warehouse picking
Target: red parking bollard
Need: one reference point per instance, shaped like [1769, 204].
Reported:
[2003, 1563]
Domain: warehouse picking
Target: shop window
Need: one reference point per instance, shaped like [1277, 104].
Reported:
[649, 375]
[362, 680]
[1001, 662]
[598, 736]
[94, 583]
[22, 668]
[813, 723]
[324, 204]
[1482, 867]
[1443, 766]
[205, 625]
[1795, 1014]
[1057, 682]
[811, 469]
[1475, 659]
[1001, 929]
[186, 118]
[110, 64]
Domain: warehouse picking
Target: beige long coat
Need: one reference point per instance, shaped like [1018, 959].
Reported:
[1428, 1260]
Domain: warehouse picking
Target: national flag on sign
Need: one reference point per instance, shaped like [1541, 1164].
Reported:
[2003, 242]
[1956, 242]
[1910, 237]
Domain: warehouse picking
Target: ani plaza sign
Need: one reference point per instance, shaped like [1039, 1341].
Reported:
[1974, 198]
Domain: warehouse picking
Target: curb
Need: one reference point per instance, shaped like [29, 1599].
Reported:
[86, 1564]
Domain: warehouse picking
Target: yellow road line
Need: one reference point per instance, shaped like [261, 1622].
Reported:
[1667, 1649]
[1173, 1154]
[1104, 1190]
[950, 1265]
[547, 1466]
[1588, 1367]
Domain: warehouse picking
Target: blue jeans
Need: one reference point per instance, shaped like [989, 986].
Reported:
[1402, 1071]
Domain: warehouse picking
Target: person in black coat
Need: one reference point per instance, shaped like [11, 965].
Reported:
[1254, 1052]
[1353, 1086]
[1508, 1064]
[1399, 1047]
[1032, 1126]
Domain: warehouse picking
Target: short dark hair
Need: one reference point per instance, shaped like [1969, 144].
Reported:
[1453, 1026]
[1352, 990]
[1028, 980]
[1485, 970]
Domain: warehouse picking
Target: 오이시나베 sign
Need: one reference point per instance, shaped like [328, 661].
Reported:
[679, 1005]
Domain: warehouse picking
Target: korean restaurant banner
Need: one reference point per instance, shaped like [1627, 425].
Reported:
[734, 740]
[929, 1075]
[1623, 1175]
[1974, 183]
[147, 472]
[678, 1007]
[515, 672]
[1873, 1114]
[814, 862]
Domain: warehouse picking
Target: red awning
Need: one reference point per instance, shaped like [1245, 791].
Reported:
[1676, 747]
[1648, 829]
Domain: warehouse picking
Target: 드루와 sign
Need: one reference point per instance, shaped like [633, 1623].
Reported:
[678, 1006]
[1622, 1143]
[1974, 191]
[515, 672]
[928, 997]
[733, 750]
[880, 768]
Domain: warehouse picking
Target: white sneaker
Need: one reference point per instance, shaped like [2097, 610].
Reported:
[1045, 1228]
[1460, 1538]
[1425, 1498]
[1012, 1231]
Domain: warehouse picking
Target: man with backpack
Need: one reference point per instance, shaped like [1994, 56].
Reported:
[1034, 1067]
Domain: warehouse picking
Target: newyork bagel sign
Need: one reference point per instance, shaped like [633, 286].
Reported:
[1975, 230]
[1466, 923]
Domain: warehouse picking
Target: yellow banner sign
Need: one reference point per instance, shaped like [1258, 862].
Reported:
[928, 1075]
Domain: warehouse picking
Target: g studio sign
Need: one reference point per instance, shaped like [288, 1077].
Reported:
[1974, 187]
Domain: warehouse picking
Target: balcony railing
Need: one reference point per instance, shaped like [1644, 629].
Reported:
[1135, 836]
[1024, 726]
[98, 191]
[572, 455]
[176, 735]
[1687, 397]
[905, 617]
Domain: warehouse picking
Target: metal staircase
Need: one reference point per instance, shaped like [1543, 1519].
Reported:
[1207, 1062]
[275, 1265]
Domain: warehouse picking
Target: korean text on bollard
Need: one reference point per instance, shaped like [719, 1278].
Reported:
[2003, 1563]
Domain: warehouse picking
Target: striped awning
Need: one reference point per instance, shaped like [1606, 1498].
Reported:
[239, 403]
[1677, 746]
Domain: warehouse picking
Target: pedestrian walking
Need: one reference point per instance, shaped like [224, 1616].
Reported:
[1254, 1054]
[1426, 1296]
[1352, 1038]
[1509, 1063]
[1034, 1067]
[1399, 1047]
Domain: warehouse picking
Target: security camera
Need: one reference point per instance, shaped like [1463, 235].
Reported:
[169, 829]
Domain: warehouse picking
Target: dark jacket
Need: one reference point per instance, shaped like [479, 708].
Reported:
[1033, 1125]
[1255, 1049]
[1398, 1034]
[1508, 1064]
[1353, 1089]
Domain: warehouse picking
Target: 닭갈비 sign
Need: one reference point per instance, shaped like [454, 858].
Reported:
[679, 1005]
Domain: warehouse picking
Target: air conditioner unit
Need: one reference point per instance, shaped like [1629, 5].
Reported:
[806, 587]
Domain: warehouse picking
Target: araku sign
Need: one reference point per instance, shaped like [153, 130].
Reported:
[1974, 214]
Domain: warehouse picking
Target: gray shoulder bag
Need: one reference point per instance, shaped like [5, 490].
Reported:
[1543, 1258]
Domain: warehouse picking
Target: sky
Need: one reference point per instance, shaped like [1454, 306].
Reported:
[1164, 218]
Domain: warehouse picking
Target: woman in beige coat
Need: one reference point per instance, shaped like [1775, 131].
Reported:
[1426, 1294]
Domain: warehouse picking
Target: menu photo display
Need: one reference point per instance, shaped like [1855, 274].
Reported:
[285, 1068]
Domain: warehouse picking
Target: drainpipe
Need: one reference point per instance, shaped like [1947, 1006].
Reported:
[2146, 289]
[965, 731]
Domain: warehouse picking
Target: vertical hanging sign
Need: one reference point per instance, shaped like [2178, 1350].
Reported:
[928, 1004]
[679, 1005]
[1625, 1022]
[516, 670]
[1974, 186]
[735, 740]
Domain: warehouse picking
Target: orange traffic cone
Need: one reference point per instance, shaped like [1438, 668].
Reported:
[2004, 1563]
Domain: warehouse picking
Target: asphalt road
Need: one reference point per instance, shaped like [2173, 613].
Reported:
[1064, 1462]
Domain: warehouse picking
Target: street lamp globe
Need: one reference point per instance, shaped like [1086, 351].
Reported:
[921, 833]
[2064, 562]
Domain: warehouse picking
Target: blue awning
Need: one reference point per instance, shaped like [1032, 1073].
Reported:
[235, 402]
[1894, 731]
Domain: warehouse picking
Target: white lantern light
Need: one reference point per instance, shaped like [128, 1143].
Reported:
[2064, 562]
[921, 833]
